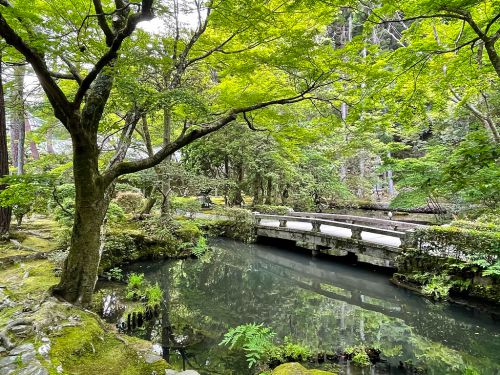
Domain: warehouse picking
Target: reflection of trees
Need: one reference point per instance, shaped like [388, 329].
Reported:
[236, 287]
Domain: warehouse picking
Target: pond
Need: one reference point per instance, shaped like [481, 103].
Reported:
[315, 301]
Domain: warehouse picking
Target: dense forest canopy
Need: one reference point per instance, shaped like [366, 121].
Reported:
[297, 103]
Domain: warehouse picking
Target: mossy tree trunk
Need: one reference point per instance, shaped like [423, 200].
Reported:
[5, 212]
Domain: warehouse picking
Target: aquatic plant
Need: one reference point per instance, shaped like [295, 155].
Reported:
[114, 273]
[255, 339]
[358, 355]
[154, 295]
[135, 286]
[201, 247]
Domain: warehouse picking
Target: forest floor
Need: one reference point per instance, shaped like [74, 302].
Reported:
[40, 334]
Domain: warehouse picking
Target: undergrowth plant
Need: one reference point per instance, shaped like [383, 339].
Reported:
[140, 289]
[254, 339]
[201, 247]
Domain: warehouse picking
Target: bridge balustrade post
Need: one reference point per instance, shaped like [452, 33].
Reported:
[316, 226]
[256, 219]
[356, 233]
[283, 223]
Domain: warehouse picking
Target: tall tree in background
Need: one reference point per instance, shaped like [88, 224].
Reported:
[5, 212]
[18, 118]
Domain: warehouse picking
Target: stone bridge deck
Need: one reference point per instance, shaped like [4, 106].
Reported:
[374, 241]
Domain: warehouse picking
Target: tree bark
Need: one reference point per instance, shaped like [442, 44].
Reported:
[18, 116]
[257, 196]
[269, 190]
[34, 150]
[50, 145]
[79, 274]
[5, 212]
[165, 178]
[80, 268]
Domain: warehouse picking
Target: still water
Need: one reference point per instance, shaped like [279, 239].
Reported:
[320, 303]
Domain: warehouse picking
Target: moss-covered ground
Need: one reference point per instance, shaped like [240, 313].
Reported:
[79, 341]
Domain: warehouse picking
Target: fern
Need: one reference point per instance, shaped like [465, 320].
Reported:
[255, 339]
[201, 247]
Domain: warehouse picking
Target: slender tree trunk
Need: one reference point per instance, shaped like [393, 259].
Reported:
[14, 139]
[151, 199]
[165, 187]
[238, 196]
[18, 115]
[5, 212]
[49, 140]
[257, 197]
[34, 150]
[390, 182]
[269, 190]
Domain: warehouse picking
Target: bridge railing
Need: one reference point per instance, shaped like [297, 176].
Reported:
[360, 220]
[407, 238]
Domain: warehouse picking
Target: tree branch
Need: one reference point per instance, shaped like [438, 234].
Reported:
[73, 70]
[58, 100]
[186, 138]
[103, 24]
[146, 13]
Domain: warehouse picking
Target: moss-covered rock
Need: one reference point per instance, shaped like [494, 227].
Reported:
[88, 348]
[294, 368]
[67, 340]
[129, 243]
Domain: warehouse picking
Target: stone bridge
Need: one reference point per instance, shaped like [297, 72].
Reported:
[373, 241]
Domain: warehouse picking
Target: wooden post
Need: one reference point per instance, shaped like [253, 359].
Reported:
[283, 223]
[356, 233]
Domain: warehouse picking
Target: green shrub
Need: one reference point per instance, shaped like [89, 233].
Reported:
[438, 287]
[288, 352]
[130, 202]
[118, 247]
[187, 231]
[272, 210]
[235, 223]
[186, 205]
[115, 213]
[461, 242]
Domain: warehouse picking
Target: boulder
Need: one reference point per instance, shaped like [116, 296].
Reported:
[294, 368]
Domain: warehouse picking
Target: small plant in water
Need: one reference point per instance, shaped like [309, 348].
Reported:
[254, 339]
[135, 286]
[201, 247]
[115, 273]
[358, 355]
[154, 295]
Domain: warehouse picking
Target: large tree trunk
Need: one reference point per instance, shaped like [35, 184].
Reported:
[80, 268]
[5, 212]
[79, 274]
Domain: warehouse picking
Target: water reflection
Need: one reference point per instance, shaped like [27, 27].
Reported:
[325, 305]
